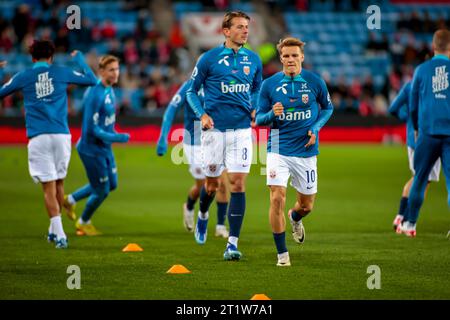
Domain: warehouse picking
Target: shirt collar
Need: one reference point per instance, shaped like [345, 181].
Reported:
[441, 56]
[40, 64]
[297, 78]
[226, 51]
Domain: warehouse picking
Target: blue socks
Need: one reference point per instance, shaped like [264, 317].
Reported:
[403, 206]
[236, 212]
[190, 203]
[205, 200]
[296, 216]
[221, 212]
[280, 242]
[82, 193]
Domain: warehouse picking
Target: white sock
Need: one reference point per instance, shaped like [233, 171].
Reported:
[50, 229]
[233, 241]
[57, 227]
[203, 216]
[81, 221]
[71, 200]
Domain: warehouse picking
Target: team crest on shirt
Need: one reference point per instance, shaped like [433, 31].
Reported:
[212, 168]
[246, 70]
[272, 174]
[305, 98]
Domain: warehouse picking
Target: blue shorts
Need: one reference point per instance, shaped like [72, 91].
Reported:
[101, 170]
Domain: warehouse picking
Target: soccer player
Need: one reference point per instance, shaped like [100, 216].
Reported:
[400, 109]
[94, 146]
[191, 148]
[231, 76]
[430, 112]
[45, 100]
[296, 103]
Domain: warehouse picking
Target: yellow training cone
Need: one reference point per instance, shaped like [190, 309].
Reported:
[178, 268]
[260, 296]
[132, 247]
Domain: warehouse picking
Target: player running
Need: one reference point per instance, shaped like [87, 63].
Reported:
[296, 103]
[94, 146]
[400, 109]
[430, 112]
[192, 150]
[45, 100]
[231, 76]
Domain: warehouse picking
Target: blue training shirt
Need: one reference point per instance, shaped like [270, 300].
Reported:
[430, 97]
[307, 106]
[99, 118]
[231, 81]
[44, 93]
[191, 121]
[400, 108]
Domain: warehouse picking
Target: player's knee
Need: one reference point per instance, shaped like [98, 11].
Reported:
[237, 185]
[113, 186]
[277, 200]
[102, 191]
[211, 187]
[307, 208]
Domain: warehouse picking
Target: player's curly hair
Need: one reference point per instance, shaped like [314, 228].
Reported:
[41, 49]
[226, 23]
[291, 42]
[106, 60]
[441, 40]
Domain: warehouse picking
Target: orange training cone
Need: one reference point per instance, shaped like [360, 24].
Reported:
[178, 268]
[260, 296]
[132, 247]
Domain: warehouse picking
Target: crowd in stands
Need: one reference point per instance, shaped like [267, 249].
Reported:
[154, 65]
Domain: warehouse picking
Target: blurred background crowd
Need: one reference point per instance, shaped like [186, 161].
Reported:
[159, 41]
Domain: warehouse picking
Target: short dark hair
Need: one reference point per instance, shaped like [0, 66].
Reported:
[441, 40]
[226, 23]
[42, 49]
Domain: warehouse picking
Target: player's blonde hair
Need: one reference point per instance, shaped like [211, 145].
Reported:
[226, 23]
[291, 42]
[106, 60]
[441, 40]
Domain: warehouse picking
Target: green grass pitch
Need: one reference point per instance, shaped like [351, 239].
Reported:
[348, 230]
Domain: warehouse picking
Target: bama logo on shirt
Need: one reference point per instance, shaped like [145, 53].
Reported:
[234, 87]
[295, 116]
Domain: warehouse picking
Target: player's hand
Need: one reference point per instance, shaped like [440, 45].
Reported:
[278, 109]
[161, 148]
[124, 137]
[207, 122]
[3, 63]
[312, 140]
[74, 53]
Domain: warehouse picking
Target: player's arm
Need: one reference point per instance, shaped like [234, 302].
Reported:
[326, 110]
[14, 84]
[93, 104]
[414, 99]
[86, 77]
[198, 77]
[399, 107]
[265, 112]
[178, 100]
[256, 85]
